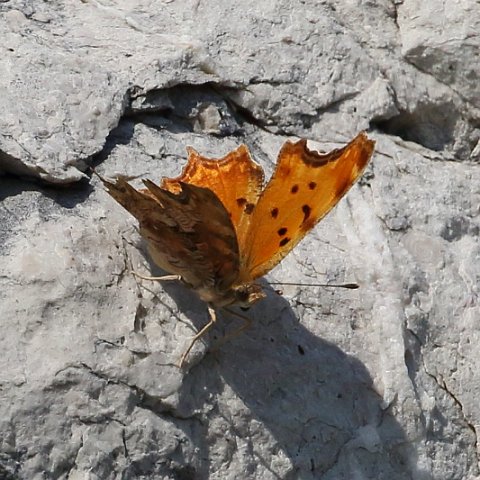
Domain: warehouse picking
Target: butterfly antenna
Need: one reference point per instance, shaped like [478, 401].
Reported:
[350, 286]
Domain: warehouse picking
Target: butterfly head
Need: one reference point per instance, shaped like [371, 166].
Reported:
[243, 295]
[246, 294]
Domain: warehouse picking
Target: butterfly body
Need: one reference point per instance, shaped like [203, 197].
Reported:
[219, 229]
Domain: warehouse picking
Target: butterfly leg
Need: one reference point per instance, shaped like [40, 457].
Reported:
[157, 279]
[247, 323]
[203, 331]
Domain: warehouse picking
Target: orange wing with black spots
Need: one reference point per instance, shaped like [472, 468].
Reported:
[235, 179]
[305, 186]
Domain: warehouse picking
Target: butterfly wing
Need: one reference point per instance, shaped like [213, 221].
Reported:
[188, 233]
[235, 179]
[305, 186]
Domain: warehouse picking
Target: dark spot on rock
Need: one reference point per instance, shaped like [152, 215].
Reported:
[184, 473]
[241, 201]
[282, 231]
[301, 351]
[455, 228]
[249, 208]
[312, 185]
[306, 209]
[274, 212]
[428, 125]
[284, 241]
[294, 189]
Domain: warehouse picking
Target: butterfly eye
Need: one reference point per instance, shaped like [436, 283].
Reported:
[242, 294]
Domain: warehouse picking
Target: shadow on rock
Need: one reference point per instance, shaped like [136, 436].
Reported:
[316, 402]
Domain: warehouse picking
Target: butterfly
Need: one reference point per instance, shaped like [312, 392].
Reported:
[217, 229]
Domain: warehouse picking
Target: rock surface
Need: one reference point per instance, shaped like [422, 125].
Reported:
[376, 383]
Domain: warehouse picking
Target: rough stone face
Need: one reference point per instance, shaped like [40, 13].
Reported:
[377, 383]
[442, 41]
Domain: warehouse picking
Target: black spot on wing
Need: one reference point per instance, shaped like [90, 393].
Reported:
[282, 231]
[294, 189]
[274, 212]
[283, 241]
[307, 210]
[249, 208]
[241, 201]
[312, 185]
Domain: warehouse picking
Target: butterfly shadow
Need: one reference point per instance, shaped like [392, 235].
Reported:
[302, 395]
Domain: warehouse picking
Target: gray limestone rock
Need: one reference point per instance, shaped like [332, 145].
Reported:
[376, 383]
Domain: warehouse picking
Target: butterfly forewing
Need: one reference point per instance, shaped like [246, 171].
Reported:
[305, 186]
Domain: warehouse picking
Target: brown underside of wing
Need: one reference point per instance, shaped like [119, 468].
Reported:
[188, 233]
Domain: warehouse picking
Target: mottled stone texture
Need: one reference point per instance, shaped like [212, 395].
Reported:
[382, 382]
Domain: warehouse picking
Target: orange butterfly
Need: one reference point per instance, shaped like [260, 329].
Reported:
[215, 227]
